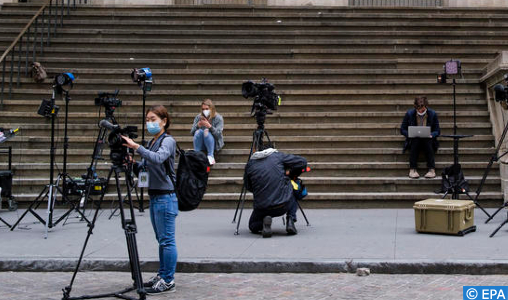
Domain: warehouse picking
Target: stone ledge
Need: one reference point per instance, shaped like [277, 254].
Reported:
[470, 267]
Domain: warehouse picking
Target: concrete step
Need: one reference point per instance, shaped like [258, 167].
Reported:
[240, 34]
[138, 44]
[330, 200]
[262, 24]
[256, 74]
[244, 142]
[227, 169]
[254, 63]
[356, 52]
[23, 155]
[288, 84]
[287, 95]
[295, 129]
[130, 109]
[285, 115]
[313, 184]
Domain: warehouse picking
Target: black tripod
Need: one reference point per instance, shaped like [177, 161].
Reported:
[50, 191]
[494, 158]
[257, 142]
[130, 229]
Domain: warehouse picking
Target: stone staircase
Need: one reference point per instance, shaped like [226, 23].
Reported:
[346, 77]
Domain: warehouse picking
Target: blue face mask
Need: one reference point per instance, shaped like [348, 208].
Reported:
[153, 127]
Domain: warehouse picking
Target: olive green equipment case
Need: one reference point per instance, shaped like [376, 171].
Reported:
[445, 216]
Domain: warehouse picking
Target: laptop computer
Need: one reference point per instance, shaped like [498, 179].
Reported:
[419, 131]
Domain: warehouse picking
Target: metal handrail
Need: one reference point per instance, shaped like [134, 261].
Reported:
[50, 5]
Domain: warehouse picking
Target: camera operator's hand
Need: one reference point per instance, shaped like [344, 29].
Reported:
[130, 143]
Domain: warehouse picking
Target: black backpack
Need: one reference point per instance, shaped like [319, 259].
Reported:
[191, 178]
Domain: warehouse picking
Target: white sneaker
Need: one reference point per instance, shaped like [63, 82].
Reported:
[211, 160]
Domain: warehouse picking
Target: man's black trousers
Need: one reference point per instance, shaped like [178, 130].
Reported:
[419, 145]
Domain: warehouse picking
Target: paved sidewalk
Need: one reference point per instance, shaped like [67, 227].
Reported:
[213, 286]
[337, 241]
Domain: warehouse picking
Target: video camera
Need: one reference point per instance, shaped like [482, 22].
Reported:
[119, 153]
[108, 100]
[265, 99]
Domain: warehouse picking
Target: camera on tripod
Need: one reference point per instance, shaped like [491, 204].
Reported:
[118, 152]
[265, 99]
[108, 100]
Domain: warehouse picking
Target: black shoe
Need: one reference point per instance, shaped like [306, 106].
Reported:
[290, 226]
[267, 227]
[161, 286]
[152, 281]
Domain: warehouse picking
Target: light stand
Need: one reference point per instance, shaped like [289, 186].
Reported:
[143, 77]
[453, 67]
[64, 175]
[49, 109]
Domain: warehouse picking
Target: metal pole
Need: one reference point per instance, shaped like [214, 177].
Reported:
[12, 70]
[56, 17]
[68, 7]
[3, 84]
[62, 13]
[19, 60]
[35, 41]
[42, 33]
[27, 45]
[49, 23]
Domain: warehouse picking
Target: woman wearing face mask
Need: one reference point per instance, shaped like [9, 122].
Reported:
[207, 130]
[421, 115]
[163, 201]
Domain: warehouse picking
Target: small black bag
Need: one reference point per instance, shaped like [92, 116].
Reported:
[448, 179]
[191, 178]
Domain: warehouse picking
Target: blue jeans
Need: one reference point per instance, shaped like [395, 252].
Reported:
[163, 212]
[204, 143]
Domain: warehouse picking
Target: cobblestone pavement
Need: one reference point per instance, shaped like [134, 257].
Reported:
[45, 286]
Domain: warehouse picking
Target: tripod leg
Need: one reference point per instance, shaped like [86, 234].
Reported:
[497, 229]
[67, 289]
[303, 213]
[496, 212]
[242, 197]
[72, 208]
[238, 203]
[3, 221]
[51, 203]
[29, 209]
[130, 229]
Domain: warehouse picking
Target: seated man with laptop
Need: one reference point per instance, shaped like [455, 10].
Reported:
[421, 129]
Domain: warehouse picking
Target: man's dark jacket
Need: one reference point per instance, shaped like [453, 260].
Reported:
[265, 176]
[410, 120]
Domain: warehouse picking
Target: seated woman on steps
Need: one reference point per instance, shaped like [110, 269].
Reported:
[207, 130]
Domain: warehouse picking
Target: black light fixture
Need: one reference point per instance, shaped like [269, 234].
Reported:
[143, 77]
[62, 80]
